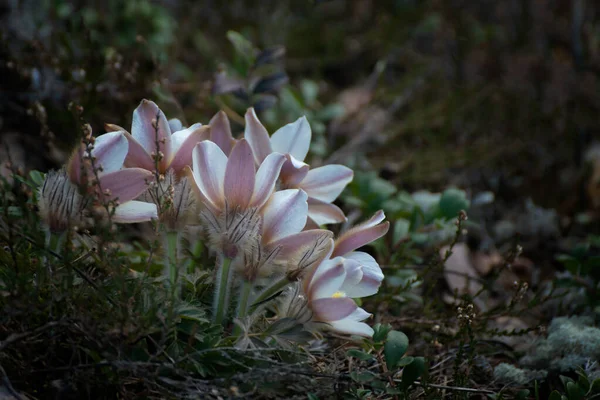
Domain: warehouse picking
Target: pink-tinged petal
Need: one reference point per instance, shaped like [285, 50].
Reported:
[137, 155]
[293, 138]
[209, 164]
[352, 324]
[368, 264]
[189, 174]
[292, 245]
[113, 128]
[175, 125]
[332, 309]
[145, 132]
[327, 279]
[353, 273]
[266, 177]
[293, 171]
[239, 176]
[110, 151]
[370, 275]
[319, 267]
[183, 142]
[360, 235]
[134, 212]
[322, 213]
[284, 214]
[327, 182]
[74, 165]
[126, 184]
[220, 132]
[257, 136]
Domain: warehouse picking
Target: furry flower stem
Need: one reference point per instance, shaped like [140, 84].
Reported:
[242, 310]
[171, 242]
[270, 292]
[221, 301]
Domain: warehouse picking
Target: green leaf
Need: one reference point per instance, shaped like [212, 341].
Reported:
[522, 394]
[595, 388]
[361, 355]
[452, 202]
[362, 377]
[401, 229]
[555, 395]
[574, 391]
[311, 396]
[394, 348]
[381, 332]
[405, 361]
[413, 371]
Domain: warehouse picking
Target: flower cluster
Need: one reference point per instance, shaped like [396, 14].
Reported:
[261, 205]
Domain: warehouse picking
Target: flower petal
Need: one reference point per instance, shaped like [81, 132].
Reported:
[292, 245]
[134, 212]
[209, 164]
[175, 125]
[239, 176]
[220, 132]
[182, 144]
[371, 275]
[293, 171]
[327, 279]
[110, 151]
[327, 182]
[284, 214]
[352, 324]
[126, 184]
[266, 177]
[332, 309]
[144, 131]
[293, 138]
[137, 155]
[322, 213]
[361, 235]
[257, 136]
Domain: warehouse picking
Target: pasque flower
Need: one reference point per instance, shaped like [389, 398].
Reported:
[100, 173]
[323, 184]
[157, 142]
[232, 191]
[59, 201]
[328, 289]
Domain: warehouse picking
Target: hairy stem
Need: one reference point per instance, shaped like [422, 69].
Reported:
[221, 301]
[245, 291]
[171, 242]
[269, 292]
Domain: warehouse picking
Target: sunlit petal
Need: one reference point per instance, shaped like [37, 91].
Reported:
[352, 324]
[327, 182]
[239, 175]
[209, 164]
[134, 212]
[266, 177]
[370, 275]
[284, 214]
[257, 136]
[293, 138]
[183, 142]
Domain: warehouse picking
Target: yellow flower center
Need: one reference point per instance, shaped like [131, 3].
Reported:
[338, 294]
